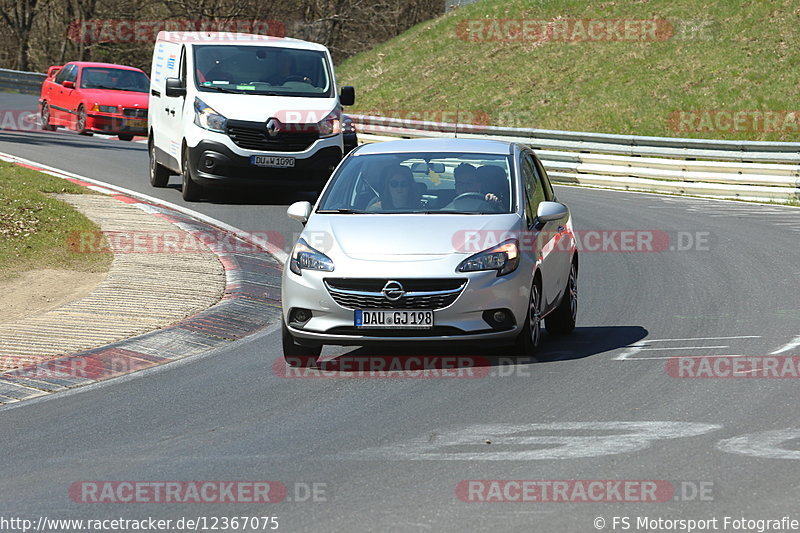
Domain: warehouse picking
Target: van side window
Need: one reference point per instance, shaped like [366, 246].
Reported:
[183, 66]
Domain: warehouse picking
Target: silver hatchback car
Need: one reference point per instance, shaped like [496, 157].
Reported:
[430, 240]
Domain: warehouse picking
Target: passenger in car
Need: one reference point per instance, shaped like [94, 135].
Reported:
[400, 191]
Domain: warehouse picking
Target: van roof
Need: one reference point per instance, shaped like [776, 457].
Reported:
[230, 38]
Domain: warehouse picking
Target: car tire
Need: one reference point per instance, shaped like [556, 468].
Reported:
[80, 122]
[45, 117]
[530, 338]
[159, 175]
[296, 355]
[562, 320]
[125, 137]
[191, 191]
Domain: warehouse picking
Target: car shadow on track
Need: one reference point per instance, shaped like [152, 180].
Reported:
[250, 195]
[66, 138]
[583, 342]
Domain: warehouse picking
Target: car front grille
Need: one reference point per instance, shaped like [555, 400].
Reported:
[134, 112]
[254, 136]
[365, 293]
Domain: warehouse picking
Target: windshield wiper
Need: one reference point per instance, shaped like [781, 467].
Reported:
[342, 211]
[221, 89]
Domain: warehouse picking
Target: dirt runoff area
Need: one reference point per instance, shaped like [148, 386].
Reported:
[38, 291]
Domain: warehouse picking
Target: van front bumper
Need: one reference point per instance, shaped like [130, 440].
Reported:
[215, 165]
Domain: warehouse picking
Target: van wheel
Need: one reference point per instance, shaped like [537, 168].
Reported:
[562, 320]
[529, 339]
[191, 190]
[159, 176]
[45, 117]
[295, 354]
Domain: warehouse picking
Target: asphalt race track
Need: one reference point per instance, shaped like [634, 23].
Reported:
[387, 454]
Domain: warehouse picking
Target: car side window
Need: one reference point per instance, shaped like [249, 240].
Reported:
[62, 74]
[72, 75]
[548, 189]
[533, 188]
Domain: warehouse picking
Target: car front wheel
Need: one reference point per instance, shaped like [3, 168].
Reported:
[562, 320]
[46, 117]
[529, 339]
[296, 355]
[80, 123]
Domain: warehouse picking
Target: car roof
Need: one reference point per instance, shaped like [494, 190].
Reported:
[103, 65]
[476, 146]
[241, 39]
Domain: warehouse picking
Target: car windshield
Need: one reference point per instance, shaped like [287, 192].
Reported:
[115, 78]
[433, 183]
[263, 70]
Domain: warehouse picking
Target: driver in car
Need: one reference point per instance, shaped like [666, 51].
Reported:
[467, 181]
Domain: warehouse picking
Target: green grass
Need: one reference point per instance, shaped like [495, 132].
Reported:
[35, 228]
[743, 57]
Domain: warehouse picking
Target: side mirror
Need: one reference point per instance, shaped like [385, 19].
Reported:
[299, 211]
[175, 87]
[549, 211]
[68, 84]
[348, 96]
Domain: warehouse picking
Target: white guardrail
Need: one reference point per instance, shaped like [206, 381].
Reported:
[743, 170]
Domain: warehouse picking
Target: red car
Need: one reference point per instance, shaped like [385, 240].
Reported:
[96, 97]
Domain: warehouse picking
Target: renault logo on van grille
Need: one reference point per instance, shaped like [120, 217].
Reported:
[393, 291]
[273, 127]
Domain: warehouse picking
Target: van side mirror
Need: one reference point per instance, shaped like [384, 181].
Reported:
[68, 84]
[348, 95]
[175, 87]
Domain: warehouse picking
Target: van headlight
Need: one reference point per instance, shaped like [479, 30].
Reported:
[304, 257]
[207, 118]
[504, 258]
[330, 125]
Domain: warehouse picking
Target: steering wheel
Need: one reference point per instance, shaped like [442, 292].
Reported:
[471, 201]
[297, 77]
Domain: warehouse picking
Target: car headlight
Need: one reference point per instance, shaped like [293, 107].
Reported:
[504, 258]
[207, 118]
[105, 108]
[306, 257]
[330, 125]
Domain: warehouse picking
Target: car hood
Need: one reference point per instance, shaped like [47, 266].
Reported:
[118, 98]
[375, 236]
[260, 108]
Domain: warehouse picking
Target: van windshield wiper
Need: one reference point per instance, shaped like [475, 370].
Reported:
[221, 89]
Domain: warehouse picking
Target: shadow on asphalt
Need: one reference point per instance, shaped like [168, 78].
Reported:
[66, 138]
[250, 195]
[583, 342]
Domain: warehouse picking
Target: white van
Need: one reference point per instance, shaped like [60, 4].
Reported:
[230, 109]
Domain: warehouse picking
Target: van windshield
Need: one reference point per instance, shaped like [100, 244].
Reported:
[252, 69]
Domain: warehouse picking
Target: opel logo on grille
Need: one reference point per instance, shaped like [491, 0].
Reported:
[393, 291]
[273, 127]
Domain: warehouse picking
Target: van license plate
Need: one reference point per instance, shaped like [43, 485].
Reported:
[272, 161]
[393, 319]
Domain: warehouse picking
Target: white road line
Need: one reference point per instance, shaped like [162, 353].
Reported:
[624, 356]
[701, 339]
[686, 348]
[788, 346]
[664, 357]
[280, 255]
